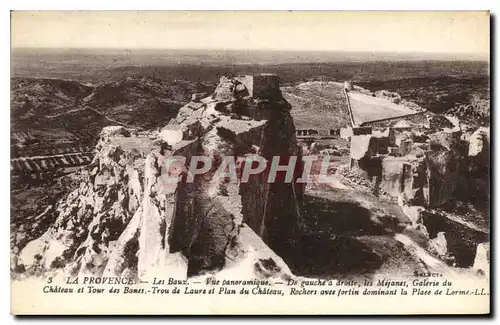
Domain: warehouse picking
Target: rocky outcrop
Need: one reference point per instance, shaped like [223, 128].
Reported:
[129, 218]
[427, 167]
[233, 124]
[406, 177]
[478, 168]
[482, 259]
[453, 239]
[439, 245]
[444, 160]
[389, 95]
[479, 143]
[91, 219]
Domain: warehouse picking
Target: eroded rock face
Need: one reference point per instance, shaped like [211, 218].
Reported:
[91, 219]
[426, 168]
[462, 238]
[478, 168]
[482, 259]
[233, 124]
[127, 218]
[439, 245]
[405, 176]
[444, 163]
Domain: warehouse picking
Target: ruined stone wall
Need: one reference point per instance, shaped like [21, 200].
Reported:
[260, 86]
[248, 81]
[265, 85]
[405, 176]
[427, 173]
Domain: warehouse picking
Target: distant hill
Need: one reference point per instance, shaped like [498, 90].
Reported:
[34, 97]
[436, 94]
[101, 65]
[143, 102]
[49, 116]
[75, 94]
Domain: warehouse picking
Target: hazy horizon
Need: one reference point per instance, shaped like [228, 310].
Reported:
[284, 56]
[423, 33]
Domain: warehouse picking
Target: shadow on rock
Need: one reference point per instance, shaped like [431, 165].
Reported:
[329, 246]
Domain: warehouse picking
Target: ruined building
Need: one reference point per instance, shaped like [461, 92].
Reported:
[423, 165]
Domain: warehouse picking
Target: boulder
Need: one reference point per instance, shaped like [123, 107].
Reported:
[444, 162]
[113, 131]
[171, 136]
[479, 148]
[482, 259]
[439, 245]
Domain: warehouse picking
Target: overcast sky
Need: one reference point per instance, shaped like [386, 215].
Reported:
[443, 32]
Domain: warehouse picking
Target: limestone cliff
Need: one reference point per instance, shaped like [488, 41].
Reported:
[127, 218]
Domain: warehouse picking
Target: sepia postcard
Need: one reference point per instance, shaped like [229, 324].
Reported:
[250, 162]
